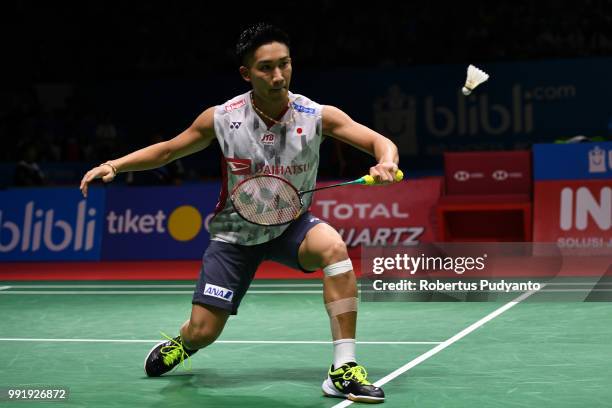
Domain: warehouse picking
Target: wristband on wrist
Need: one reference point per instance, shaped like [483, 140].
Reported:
[113, 168]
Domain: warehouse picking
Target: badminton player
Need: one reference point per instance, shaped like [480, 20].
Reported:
[267, 130]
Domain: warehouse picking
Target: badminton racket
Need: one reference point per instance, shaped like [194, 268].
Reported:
[268, 200]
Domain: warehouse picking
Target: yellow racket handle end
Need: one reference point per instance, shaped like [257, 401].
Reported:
[369, 180]
[399, 175]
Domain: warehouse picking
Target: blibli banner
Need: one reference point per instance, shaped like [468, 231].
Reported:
[423, 110]
[158, 222]
[50, 224]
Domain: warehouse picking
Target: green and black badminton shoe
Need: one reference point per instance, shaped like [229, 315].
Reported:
[166, 355]
[350, 381]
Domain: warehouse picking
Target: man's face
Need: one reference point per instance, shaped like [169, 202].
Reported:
[269, 71]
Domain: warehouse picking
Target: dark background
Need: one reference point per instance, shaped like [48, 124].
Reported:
[78, 47]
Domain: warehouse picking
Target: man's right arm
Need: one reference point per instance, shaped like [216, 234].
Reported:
[193, 139]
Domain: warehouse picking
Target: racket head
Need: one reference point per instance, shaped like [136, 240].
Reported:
[266, 200]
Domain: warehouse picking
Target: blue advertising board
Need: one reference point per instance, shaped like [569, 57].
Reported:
[573, 161]
[50, 224]
[158, 222]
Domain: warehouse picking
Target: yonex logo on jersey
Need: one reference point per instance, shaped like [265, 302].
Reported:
[235, 125]
[235, 105]
[239, 166]
[303, 109]
[218, 292]
[268, 139]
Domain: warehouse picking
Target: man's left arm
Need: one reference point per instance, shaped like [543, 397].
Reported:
[339, 125]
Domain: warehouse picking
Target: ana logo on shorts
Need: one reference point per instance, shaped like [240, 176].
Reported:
[218, 292]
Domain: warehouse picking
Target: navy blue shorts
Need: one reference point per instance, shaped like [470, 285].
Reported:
[228, 269]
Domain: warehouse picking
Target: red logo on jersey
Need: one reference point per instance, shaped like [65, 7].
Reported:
[239, 166]
[299, 131]
[268, 139]
[235, 105]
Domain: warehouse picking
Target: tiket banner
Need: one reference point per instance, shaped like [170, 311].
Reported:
[158, 222]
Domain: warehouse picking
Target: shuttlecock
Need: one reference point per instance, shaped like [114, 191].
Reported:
[474, 78]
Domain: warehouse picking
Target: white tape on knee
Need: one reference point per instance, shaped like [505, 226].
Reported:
[338, 268]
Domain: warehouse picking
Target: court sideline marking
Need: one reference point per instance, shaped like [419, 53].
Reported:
[218, 341]
[144, 292]
[5, 291]
[254, 285]
[445, 344]
[155, 286]
[255, 289]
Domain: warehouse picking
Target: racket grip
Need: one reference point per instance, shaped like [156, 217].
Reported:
[369, 180]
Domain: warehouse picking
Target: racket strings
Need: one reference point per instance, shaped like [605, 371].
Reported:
[266, 201]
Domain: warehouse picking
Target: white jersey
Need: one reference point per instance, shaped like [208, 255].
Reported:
[289, 149]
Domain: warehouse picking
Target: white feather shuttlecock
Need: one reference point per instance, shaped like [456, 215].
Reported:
[474, 78]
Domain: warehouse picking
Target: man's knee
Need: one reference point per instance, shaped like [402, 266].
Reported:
[337, 263]
[336, 252]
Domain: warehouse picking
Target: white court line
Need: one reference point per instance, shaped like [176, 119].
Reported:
[216, 342]
[576, 290]
[445, 344]
[100, 286]
[5, 291]
[144, 292]
[255, 285]
[579, 284]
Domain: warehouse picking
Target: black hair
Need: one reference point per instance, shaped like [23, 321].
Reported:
[257, 35]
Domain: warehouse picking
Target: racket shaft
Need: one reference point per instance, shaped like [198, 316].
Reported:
[399, 175]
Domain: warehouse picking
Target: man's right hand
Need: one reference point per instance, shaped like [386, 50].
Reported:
[104, 171]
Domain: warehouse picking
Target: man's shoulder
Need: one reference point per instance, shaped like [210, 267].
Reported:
[236, 103]
[305, 105]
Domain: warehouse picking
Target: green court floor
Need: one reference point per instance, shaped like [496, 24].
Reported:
[92, 339]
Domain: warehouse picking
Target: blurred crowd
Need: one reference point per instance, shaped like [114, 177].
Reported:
[151, 39]
[88, 41]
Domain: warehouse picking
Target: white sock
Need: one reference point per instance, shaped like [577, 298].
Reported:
[344, 352]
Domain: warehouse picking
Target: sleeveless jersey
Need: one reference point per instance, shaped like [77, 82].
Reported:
[289, 149]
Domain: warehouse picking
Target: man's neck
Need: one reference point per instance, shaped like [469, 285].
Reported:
[270, 111]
